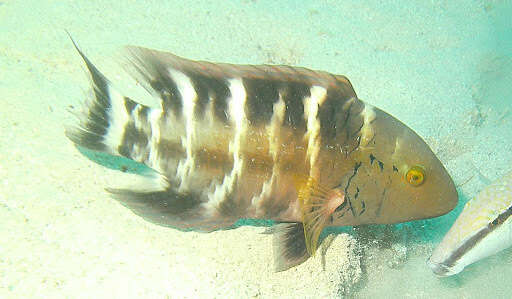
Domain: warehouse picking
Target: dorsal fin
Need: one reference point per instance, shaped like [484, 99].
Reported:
[143, 57]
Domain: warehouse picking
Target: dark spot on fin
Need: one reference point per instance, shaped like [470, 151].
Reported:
[289, 246]
[381, 166]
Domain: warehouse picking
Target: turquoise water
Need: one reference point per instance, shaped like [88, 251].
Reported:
[443, 67]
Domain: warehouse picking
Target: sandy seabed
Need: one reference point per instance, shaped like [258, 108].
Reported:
[441, 67]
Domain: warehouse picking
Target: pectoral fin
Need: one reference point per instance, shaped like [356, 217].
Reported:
[317, 204]
[289, 246]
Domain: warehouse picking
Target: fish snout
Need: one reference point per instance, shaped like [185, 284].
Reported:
[442, 269]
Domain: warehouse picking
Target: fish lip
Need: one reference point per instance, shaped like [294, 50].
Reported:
[441, 269]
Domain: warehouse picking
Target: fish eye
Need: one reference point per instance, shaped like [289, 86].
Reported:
[415, 176]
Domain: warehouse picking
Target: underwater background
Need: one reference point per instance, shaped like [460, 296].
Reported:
[444, 68]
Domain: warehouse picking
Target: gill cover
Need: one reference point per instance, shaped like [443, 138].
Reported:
[390, 174]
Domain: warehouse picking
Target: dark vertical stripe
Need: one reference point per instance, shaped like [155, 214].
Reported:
[161, 81]
[357, 119]
[221, 93]
[293, 96]
[171, 97]
[202, 89]
[330, 111]
[261, 96]
[350, 122]
[208, 88]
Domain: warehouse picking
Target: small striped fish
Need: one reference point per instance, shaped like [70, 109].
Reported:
[281, 143]
[483, 228]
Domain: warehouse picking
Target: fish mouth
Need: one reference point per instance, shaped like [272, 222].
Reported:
[441, 269]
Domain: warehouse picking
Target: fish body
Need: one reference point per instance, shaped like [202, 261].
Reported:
[287, 144]
[483, 228]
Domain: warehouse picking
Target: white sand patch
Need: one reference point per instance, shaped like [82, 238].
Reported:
[62, 236]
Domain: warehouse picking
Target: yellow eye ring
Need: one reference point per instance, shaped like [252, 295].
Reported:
[415, 176]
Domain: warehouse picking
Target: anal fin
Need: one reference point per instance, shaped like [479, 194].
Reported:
[170, 208]
[289, 246]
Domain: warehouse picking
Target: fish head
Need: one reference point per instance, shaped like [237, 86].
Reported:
[389, 173]
[443, 270]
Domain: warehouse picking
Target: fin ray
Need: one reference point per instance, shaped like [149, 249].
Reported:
[289, 246]
[211, 70]
[169, 208]
[316, 205]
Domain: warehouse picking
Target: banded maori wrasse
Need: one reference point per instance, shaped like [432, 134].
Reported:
[287, 144]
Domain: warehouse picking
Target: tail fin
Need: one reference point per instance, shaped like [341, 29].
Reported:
[93, 126]
[107, 122]
[117, 125]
